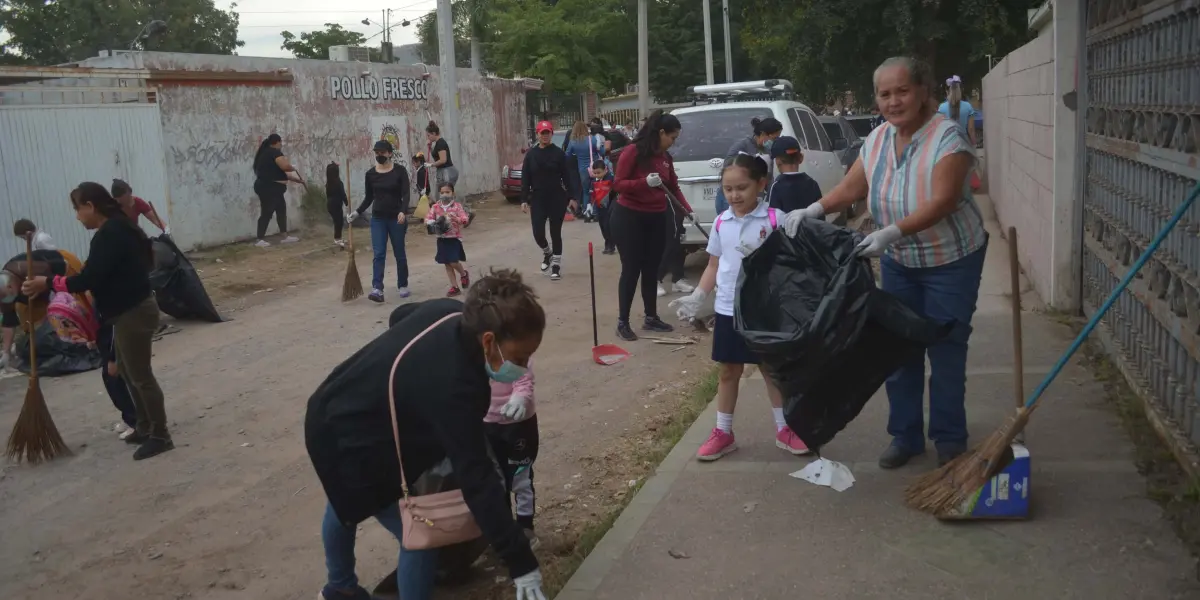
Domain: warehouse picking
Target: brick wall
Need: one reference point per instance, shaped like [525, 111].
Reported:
[1019, 142]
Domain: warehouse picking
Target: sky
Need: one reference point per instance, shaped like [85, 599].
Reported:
[262, 20]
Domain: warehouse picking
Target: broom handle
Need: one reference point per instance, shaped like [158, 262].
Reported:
[1018, 346]
[1112, 298]
[349, 201]
[592, 278]
[32, 329]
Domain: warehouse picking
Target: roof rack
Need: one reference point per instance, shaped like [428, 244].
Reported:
[741, 91]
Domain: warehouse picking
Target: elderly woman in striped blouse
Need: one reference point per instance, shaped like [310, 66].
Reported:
[913, 170]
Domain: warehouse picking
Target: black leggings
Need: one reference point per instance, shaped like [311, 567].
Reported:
[553, 210]
[641, 238]
[604, 216]
[338, 214]
[270, 197]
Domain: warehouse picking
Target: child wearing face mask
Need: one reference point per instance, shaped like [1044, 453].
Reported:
[446, 220]
[737, 232]
[512, 430]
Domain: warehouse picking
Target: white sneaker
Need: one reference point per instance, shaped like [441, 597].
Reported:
[128, 432]
[661, 291]
[341, 243]
[291, 239]
[262, 243]
[683, 287]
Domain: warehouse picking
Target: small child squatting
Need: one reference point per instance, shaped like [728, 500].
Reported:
[446, 220]
[512, 430]
[737, 232]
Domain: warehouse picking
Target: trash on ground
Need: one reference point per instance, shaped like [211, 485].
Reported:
[828, 473]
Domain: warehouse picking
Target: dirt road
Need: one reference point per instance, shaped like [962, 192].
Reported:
[234, 511]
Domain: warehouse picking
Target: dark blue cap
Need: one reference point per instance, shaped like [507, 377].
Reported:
[785, 145]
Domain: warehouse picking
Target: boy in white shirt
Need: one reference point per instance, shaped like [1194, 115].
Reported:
[24, 228]
[737, 232]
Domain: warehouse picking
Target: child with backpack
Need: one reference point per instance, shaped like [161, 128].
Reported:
[446, 220]
[737, 232]
[512, 430]
[603, 195]
[791, 190]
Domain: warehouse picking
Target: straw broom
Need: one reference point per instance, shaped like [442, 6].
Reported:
[943, 491]
[34, 437]
[352, 288]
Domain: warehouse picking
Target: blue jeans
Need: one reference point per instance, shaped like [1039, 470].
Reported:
[381, 231]
[944, 293]
[415, 570]
[721, 203]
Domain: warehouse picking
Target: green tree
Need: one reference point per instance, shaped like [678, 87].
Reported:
[427, 35]
[828, 48]
[676, 36]
[57, 31]
[315, 44]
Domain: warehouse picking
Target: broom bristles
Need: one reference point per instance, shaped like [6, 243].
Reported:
[943, 491]
[34, 437]
[352, 288]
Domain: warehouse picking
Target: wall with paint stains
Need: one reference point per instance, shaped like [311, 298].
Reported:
[211, 131]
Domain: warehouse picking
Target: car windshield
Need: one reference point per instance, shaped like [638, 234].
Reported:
[834, 131]
[709, 134]
[862, 125]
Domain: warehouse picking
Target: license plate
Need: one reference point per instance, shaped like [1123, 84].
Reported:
[710, 192]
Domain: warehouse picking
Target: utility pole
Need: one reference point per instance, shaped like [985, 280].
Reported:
[708, 57]
[728, 44]
[449, 120]
[643, 60]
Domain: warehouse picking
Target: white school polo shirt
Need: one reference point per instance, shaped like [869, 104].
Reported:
[737, 238]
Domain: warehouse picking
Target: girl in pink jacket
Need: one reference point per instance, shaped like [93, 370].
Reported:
[512, 429]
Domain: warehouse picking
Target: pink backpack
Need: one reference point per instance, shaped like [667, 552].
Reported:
[771, 216]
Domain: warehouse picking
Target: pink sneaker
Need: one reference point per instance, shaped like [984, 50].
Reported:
[788, 440]
[718, 444]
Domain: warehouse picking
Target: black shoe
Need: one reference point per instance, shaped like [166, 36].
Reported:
[545, 261]
[895, 457]
[656, 324]
[949, 452]
[555, 273]
[625, 332]
[153, 447]
[609, 250]
[137, 438]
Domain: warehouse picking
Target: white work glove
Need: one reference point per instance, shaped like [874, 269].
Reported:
[653, 180]
[687, 307]
[877, 241]
[515, 408]
[791, 224]
[529, 586]
[352, 216]
[166, 231]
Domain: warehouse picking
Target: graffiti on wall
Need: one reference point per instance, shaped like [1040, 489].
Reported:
[378, 88]
[211, 154]
[394, 129]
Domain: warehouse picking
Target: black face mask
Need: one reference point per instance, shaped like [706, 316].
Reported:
[381, 159]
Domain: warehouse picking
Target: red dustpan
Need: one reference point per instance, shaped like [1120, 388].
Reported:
[607, 354]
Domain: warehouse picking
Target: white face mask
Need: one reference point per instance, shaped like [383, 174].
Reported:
[445, 199]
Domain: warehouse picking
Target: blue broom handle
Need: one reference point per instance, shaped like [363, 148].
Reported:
[1112, 298]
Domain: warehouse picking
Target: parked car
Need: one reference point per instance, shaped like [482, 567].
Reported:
[510, 174]
[862, 124]
[846, 141]
[708, 132]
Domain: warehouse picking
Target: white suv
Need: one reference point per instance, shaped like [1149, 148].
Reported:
[709, 130]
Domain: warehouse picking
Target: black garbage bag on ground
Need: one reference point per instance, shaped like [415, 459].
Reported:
[809, 308]
[176, 285]
[55, 356]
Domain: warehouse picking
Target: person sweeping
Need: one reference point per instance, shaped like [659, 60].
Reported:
[117, 273]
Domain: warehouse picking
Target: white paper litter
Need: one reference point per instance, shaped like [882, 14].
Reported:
[828, 473]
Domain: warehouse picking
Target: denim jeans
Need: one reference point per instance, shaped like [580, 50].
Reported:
[721, 203]
[415, 569]
[381, 231]
[944, 293]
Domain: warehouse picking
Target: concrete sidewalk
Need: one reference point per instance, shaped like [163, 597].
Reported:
[744, 529]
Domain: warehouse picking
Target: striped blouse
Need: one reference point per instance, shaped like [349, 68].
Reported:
[900, 183]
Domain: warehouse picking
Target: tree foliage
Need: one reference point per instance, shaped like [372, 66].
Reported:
[460, 13]
[58, 31]
[828, 48]
[676, 36]
[315, 44]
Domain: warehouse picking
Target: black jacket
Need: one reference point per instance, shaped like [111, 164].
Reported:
[547, 175]
[442, 395]
[117, 271]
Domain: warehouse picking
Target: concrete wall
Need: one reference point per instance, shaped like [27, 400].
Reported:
[211, 131]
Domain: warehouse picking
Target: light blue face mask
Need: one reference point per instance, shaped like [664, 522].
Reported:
[767, 145]
[508, 371]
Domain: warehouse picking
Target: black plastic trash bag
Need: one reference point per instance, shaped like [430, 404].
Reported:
[177, 287]
[55, 356]
[828, 337]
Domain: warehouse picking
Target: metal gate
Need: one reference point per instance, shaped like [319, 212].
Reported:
[48, 149]
[1142, 130]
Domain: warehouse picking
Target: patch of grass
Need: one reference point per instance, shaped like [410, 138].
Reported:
[561, 567]
[313, 203]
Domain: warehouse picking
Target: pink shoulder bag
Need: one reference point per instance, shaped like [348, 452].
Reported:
[433, 520]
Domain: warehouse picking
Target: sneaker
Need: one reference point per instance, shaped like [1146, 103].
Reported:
[355, 593]
[453, 291]
[545, 262]
[610, 250]
[555, 273]
[895, 457]
[717, 445]
[376, 295]
[153, 447]
[262, 243]
[625, 332]
[341, 243]
[465, 279]
[291, 239]
[683, 287]
[403, 291]
[127, 433]
[656, 324]
[661, 291]
[133, 437]
[787, 439]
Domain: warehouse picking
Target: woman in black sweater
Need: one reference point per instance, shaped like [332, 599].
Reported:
[335, 200]
[386, 186]
[117, 273]
[442, 392]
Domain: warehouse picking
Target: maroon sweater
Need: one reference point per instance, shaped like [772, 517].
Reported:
[635, 193]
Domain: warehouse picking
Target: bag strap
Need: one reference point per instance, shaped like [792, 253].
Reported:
[392, 395]
[771, 216]
[717, 223]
